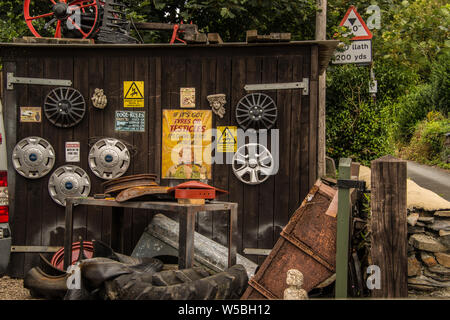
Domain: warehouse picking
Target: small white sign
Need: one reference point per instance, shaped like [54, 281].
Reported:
[373, 86]
[357, 52]
[72, 152]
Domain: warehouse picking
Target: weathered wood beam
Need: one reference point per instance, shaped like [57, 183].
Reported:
[389, 226]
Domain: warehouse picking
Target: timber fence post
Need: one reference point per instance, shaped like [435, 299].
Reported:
[389, 226]
[343, 229]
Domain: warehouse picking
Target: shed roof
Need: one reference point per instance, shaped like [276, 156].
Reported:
[326, 47]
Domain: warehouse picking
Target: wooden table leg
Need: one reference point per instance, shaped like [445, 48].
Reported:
[232, 237]
[117, 229]
[68, 234]
[186, 239]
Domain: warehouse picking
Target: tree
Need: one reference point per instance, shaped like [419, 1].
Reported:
[230, 18]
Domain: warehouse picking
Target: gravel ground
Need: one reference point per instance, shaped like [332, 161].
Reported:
[12, 289]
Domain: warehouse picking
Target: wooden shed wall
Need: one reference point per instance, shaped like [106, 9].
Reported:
[263, 209]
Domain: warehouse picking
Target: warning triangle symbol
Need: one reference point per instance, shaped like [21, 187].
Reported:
[356, 25]
[134, 92]
[227, 137]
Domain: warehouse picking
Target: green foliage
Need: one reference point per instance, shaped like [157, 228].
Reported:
[231, 18]
[12, 23]
[410, 109]
[440, 82]
[411, 63]
[419, 100]
[356, 126]
[427, 143]
[417, 34]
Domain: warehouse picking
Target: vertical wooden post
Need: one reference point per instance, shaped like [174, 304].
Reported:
[389, 228]
[321, 34]
[117, 226]
[343, 229]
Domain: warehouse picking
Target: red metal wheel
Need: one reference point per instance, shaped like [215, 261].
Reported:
[53, 18]
[58, 258]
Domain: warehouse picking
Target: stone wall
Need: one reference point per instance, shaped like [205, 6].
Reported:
[428, 251]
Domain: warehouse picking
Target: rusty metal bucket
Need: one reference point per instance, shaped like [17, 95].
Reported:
[307, 243]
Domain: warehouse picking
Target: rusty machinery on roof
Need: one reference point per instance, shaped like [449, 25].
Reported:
[103, 20]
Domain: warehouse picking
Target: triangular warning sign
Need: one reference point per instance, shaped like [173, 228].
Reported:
[134, 92]
[356, 25]
[227, 137]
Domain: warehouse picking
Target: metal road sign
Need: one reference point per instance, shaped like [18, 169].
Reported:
[358, 28]
[359, 52]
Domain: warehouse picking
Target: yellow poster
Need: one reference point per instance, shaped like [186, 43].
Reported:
[186, 144]
[133, 94]
[227, 141]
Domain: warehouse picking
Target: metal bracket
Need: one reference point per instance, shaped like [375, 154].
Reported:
[281, 86]
[34, 249]
[351, 184]
[257, 252]
[12, 80]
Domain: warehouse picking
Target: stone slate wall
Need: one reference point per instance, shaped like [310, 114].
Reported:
[429, 252]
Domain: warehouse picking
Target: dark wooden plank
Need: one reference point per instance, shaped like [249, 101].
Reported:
[126, 67]
[208, 86]
[305, 183]
[282, 179]
[142, 159]
[238, 74]
[34, 187]
[173, 76]
[80, 132]
[154, 121]
[389, 227]
[113, 90]
[193, 78]
[52, 231]
[118, 229]
[186, 239]
[266, 190]
[220, 171]
[251, 193]
[295, 163]
[314, 115]
[18, 212]
[157, 133]
[68, 217]
[96, 117]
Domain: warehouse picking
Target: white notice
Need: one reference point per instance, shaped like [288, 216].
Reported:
[72, 152]
[357, 52]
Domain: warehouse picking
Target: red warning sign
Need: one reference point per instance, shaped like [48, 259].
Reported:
[353, 21]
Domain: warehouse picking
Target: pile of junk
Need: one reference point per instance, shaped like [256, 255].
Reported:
[99, 273]
[108, 275]
[306, 248]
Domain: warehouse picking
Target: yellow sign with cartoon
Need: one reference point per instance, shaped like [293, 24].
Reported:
[186, 144]
[133, 94]
[227, 141]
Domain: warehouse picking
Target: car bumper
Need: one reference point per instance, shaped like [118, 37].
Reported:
[5, 251]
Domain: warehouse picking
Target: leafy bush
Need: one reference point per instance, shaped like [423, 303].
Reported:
[356, 126]
[416, 34]
[427, 142]
[440, 81]
[409, 110]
